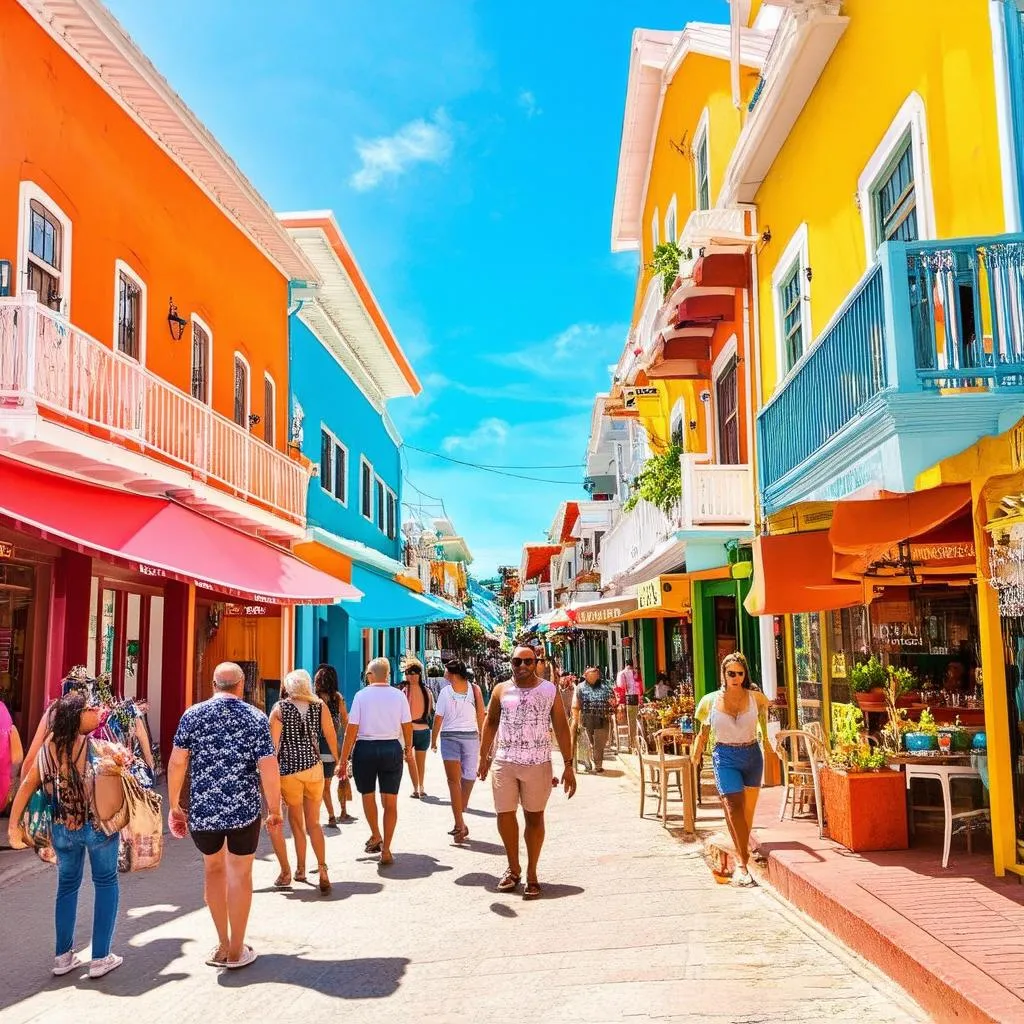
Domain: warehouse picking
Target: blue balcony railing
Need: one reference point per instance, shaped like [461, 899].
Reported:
[932, 317]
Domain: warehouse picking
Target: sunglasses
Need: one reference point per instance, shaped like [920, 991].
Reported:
[412, 672]
[734, 673]
[524, 661]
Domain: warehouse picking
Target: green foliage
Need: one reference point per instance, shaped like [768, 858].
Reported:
[665, 262]
[926, 724]
[466, 636]
[850, 749]
[660, 481]
[847, 723]
[868, 675]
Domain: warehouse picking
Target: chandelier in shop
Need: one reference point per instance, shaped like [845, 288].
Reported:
[1006, 570]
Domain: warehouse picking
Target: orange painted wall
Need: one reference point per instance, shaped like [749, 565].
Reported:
[128, 200]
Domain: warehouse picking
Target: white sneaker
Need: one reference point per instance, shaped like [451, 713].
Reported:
[66, 963]
[99, 968]
[742, 877]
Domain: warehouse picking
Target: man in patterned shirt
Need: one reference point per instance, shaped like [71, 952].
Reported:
[592, 709]
[225, 746]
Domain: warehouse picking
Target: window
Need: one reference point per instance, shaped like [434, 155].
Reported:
[269, 407]
[366, 490]
[380, 506]
[333, 466]
[241, 410]
[44, 246]
[701, 165]
[791, 297]
[671, 234]
[655, 230]
[790, 301]
[202, 353]
[728, 414]
[129, 313]
[894, 199]
[676, 432]
[392, 515]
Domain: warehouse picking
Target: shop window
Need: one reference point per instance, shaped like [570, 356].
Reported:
[728, 414]
[807, 666]
[780, 709]
[202, 356]
[269, 408]
[241, 402]
[129, 329]
[849, 643]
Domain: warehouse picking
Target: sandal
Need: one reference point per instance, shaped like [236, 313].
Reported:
[461, 835]
[532, 891]
[374, 845]
[218, 957]
[247, 957]
[300, 876]
[509, 881]
[325, 882]
[332, 822]
[283, 881]
[415, 794]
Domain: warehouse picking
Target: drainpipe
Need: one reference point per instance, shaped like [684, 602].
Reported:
[754, 387]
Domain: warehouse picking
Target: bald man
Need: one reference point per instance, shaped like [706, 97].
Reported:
[225, 744]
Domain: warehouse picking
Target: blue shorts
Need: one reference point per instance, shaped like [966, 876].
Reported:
[463, 747]
[737, 768]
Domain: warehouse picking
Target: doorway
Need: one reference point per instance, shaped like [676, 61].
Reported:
[17, 592]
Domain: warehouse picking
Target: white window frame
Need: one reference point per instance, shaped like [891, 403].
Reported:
[678, 414]
[672, 217]
[335, 444]
[655, 230]
[27, 191]
[367, 514]
[911, 117]
[797, 250]
[702, 135]
[120, 267]
[207, 330]
[268, 379]
[248, 390]
[730, 351]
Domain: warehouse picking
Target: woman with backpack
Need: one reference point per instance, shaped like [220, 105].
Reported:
[325, 683]
[421, 707]
[297, 723]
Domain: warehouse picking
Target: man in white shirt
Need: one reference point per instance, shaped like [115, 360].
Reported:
[379, 738]
[630, 682]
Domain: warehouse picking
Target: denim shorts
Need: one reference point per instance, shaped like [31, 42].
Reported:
[463, 747]
[737, 768]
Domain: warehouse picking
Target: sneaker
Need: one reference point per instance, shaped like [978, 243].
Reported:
[99, 968]
[742, 877]
[66, 963]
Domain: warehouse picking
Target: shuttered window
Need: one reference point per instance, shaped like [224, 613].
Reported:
[269, 407]
[790, 299]
[727, 407]
[200, 363]
[894, 198]
[241, 411]
[129, 315]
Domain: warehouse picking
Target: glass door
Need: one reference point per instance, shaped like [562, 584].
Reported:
[810, 691]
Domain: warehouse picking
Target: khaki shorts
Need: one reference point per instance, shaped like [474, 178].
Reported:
[515, 784]
[304, 785]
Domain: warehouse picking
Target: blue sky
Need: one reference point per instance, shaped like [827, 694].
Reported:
[469, 151]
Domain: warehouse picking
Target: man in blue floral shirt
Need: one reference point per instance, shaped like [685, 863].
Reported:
[225, 746]
[593, 707]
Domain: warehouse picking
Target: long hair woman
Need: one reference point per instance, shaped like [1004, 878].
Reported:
[79, 800]
[325, 684]
[297, 724]
[732, 714]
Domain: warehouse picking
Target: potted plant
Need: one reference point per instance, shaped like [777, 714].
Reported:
[959, 738]
[924, 735]
[868, 679]
[865, 807]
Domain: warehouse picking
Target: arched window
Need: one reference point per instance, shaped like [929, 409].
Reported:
[241, 411]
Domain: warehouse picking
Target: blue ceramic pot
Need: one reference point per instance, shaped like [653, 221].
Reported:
[980, 741]
[919, 741]
[686, 724]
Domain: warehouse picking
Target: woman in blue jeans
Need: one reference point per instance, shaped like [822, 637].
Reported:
[733, 714]
[65, 771]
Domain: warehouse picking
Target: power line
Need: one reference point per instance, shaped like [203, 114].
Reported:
[487, 465]
[502, 472]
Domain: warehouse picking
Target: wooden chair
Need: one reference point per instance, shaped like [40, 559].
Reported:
[800, 771]
[657, 769]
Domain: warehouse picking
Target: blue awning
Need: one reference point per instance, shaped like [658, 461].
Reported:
[387, 604]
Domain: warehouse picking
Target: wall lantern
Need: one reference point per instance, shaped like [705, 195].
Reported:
[5, 277]
[175, 323]
[253, 419]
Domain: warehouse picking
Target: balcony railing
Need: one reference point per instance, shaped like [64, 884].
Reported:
[47, 362]
[930, 317]
[635, 536]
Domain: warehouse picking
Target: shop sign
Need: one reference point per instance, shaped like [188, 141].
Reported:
[669, 593]
[630, 395]
[839, 665]
[238, 611]
[955, 552]
[604, 613]
[6, 550]
[901, 634]
[648, 595]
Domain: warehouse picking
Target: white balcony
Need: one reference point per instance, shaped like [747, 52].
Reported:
[71, 404]
[725, 226]
[716, 495]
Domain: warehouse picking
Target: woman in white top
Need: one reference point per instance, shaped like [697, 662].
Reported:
[459, 720]
[733, 714]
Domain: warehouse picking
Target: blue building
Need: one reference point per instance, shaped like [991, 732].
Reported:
[345, 365]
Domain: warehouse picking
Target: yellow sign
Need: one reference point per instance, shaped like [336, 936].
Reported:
[6, 550]
[839, 665]
[648, 595]
[665, 593]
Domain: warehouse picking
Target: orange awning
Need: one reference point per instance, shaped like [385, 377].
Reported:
[927, 527]
[793, 574]
[536, 558]
[722, 269]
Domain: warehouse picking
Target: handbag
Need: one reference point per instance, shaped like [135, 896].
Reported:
[345, 789]
[142, 836]
[37, 821]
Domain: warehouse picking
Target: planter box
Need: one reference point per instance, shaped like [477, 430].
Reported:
[866, 811]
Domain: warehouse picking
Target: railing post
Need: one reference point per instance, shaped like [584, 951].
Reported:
[900, 361]
[688, 488]
[30, 329]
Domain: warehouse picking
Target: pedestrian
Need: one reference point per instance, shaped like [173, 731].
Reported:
[592, 709]
[11, 755]
[661, 686]
[458, 721]
[223, 746]
[630, 686]
[325, 683]
[733, 714]
[521, 716]
[79, 804]
[421, 707]
[379, 729]
[566, 689]
[298, 724]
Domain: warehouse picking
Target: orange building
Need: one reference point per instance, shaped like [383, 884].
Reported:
[147, 490]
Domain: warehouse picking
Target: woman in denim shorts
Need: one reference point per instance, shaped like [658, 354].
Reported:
[733, 715]
[458, 720]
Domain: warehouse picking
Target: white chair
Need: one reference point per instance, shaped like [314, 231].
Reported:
[800, 775]
[657, 769]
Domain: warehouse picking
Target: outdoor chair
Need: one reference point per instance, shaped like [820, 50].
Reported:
[657, 768]
[800, 777]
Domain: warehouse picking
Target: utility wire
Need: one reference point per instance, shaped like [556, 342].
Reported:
[486, 465]
[502, 472]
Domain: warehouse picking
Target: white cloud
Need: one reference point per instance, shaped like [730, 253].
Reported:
[578, 345]
[528, 102]
[492, 432]
[390, 156]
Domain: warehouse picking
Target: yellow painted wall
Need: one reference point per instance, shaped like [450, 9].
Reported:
[943, 51]
[656, 415]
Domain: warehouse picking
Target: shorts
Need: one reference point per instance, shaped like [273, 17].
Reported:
[305, 785]
[330, 767]
[421, 739]
[463, 747]
[377, 764]
[242, 842]
[515, 784]
[737, 768]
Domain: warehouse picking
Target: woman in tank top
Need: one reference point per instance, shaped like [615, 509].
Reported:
[297, 724]
[732, 714]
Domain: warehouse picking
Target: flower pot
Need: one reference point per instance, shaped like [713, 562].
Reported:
[916, 742]
[870, 700]
[865, 810]
[959, 739]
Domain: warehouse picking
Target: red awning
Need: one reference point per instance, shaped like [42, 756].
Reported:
[159, 538]
[680, 345]
[721, 270]
[536, 558]
[703, 309]
[569, 521]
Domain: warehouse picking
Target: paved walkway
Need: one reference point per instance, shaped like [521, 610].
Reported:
[633, 928]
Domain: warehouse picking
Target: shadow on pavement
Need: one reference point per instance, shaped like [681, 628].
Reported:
[479, 879]
[369, 978]
[412, 865]
[557, 891]
[339, 891]
[502, 910]
[480, 846]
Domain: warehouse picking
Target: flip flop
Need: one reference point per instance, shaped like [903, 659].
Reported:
[462, 836]
[248, 956]
[300, 876]
[217, 958]
[532, 891]
[283, 881]
[374, 845]
[509, 881]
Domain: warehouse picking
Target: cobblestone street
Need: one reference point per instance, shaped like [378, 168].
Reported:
[632, 928]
